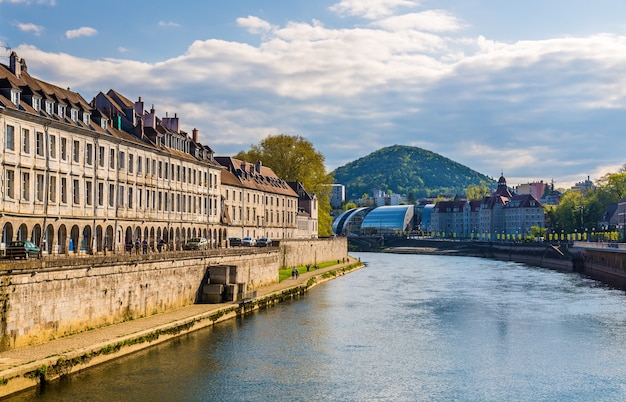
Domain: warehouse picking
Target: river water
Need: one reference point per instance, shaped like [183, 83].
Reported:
[404, 328]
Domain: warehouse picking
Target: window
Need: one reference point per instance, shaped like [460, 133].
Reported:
[130, 163]
[25, 186]
[86, 118]
[10, 183]
[100, 194]
[121, 197]
[52, 189]
[64, 148]
[130, 197]
[74, 114]
[40, 144]
[167, 170]
[101, 156]
[39, 187]
[160, 169]
[25, 141]
[64, 190]
[76, 191]
[49, 107]
[76, 151]
[111, 195]
[139, 197]
[53, 147]
[10, 140]
[122, 160]
[36, 103]
[89, 154]
[15, 97]
[62, 111]
[147, 165]
[139, 162]
[88, 192]
[112, 159]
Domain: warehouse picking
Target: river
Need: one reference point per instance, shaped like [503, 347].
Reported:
[404, 328]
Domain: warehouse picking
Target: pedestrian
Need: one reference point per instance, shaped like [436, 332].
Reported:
[144, 245]
[160, 244]
[293, 273]
[137, 245]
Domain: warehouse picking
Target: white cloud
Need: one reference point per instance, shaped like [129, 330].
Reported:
[168, 24]
[43, 2]
[83, 31]
[35, 29]
[255, 25]
[371, 9]
[404, 79]
[430, 21]
[122, 49]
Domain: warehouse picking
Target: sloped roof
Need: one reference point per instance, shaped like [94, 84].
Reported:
[255, 176]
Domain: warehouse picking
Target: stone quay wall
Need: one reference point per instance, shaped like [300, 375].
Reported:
[313, 251]
[53, 297]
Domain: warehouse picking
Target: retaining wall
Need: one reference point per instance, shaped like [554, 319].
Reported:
[45, 299]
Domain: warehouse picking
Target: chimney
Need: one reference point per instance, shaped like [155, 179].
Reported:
[14, 65]
[258, 166]
[23, 66]
[171, 122]
[139, 107]
[194, 135]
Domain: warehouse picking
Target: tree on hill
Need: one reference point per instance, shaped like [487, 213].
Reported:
[408, 171]
[293, 158]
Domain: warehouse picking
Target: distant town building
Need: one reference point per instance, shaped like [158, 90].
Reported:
[337, 195]
[500, 215]
[536, 189]
[584, 186]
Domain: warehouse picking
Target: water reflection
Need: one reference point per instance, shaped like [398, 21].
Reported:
[404, 328]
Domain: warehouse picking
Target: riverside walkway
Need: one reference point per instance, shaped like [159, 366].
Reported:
[15, 363]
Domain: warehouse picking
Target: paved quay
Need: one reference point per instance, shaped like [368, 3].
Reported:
[14, 363]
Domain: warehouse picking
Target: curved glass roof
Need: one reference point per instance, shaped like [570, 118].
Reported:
[347, 221]
[388, 219]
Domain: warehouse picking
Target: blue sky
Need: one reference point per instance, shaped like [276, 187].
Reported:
[534, 89]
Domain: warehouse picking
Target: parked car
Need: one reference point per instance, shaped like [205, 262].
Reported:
[264, 242]
[197, 243]
[248, 242]
[234, 241]
[23, 249]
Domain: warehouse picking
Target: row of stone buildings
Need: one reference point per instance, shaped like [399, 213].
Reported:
[82, 176]
[498, 216]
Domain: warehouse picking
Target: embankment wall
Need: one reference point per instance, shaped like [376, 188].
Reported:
[45, 299]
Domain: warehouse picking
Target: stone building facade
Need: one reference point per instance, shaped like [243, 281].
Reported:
[96, 177]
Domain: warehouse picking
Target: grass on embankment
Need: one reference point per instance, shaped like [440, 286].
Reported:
[286, 273]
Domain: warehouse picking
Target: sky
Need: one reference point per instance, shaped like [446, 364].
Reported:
[533, 90]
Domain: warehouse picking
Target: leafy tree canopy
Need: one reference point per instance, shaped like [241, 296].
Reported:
[293, 158]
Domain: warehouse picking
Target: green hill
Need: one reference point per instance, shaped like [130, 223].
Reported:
[411, 171]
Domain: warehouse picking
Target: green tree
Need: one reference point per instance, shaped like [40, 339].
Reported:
[476, 192]
[566, 213]
[348, 205]
[293, 158]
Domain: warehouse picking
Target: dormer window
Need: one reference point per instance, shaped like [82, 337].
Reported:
[49, 107]
[103, 123]
[74, 114]
[61, 111]
[36, 103]
[86, 118]
[15, 97]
